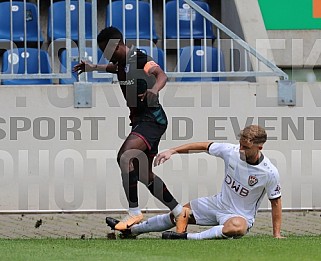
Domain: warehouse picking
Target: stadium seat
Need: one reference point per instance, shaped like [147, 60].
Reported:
[199, 53]
[132, 0]
[116, 19]
[18, 18]
[58, 29]
[175, 0]
[18, 57]
[157, 55]
[184, 21]
[75, 60]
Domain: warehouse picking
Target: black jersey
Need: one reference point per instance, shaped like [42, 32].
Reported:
[133, 81]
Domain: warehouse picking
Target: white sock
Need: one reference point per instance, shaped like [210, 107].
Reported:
[134, 211]
[212, 233]
[153, 224]
[177, 210]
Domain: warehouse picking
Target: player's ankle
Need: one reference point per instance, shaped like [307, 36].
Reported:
[134, 211]
[177, 210]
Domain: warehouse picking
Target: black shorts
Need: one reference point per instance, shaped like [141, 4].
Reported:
[150, 132]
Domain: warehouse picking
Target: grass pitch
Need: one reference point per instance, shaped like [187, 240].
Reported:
[248, 248]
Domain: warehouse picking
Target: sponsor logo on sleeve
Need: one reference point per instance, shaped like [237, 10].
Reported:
[277, 191]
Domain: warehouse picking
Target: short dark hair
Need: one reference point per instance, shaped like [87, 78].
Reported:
[109, 33]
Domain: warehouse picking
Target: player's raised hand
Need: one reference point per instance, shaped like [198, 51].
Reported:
[84, 66]
[162, 157]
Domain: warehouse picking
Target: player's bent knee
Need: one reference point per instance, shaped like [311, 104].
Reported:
[234, 233]
[235, 227]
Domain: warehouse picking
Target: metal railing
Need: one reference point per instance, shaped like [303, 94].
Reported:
[245, 47]
[250, 65]
[11, 44]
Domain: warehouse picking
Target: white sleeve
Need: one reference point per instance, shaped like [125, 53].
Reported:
[273, 187]
[220, 149]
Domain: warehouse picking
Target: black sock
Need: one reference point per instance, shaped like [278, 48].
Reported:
[158, 188]
[130, 186]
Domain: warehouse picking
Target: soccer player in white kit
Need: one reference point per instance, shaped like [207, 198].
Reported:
[249, 175]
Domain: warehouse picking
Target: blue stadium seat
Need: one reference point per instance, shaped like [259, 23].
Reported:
[132, 0]
[18, 57]
[199, 53]
[175, 0]
[75, 60]
[116, 19]
[157, 55]
[184, 21]
[18, 22]
[59, 21]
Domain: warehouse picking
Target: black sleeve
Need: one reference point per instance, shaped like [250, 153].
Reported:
[209, 145]
[142, 59]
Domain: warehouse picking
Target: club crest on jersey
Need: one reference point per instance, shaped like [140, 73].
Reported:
[126, 69]
[252, 180]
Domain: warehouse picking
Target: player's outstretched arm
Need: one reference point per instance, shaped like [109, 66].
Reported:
[186, 148]
[162, 157]
[276, 217]
[85, 66]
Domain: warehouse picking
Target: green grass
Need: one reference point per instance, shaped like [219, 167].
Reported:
[247, 248]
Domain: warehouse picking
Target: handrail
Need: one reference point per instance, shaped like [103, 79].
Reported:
[249, 70]
[275, 71]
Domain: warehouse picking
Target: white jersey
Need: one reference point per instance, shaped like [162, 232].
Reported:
[244, 184]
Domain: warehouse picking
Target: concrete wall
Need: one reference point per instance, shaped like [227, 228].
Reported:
[290, 48]
[53, 156]
[296, 48]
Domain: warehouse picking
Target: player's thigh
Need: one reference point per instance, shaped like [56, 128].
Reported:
[133, 142]
[151, 133]
[205, 211]
[132, 149]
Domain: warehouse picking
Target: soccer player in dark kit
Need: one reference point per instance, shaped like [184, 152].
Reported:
[140, 79]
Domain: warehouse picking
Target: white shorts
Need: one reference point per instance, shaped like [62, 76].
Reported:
[207, 212]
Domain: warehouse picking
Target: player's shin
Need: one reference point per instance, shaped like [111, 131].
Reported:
[212, 233]
[130, 187]
[154, 224]
[158, 188]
